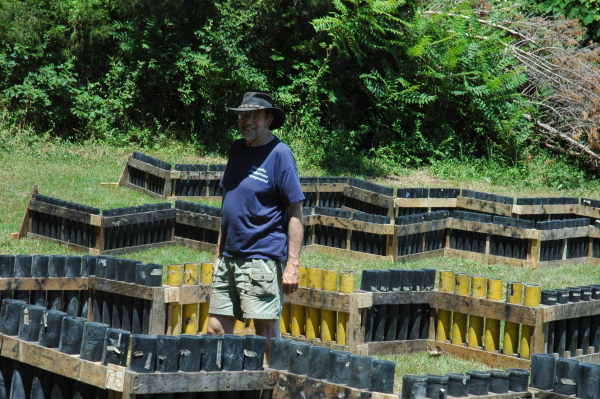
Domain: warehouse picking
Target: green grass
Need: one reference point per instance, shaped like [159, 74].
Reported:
[74, 173]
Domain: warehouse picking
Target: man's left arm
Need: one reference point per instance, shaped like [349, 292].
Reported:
[291, 274]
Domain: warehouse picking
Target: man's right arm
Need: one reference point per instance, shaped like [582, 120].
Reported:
[218, 250]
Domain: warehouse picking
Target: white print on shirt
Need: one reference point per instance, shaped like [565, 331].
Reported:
[259, 174]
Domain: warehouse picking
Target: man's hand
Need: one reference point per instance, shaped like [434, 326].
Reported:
[291, 279]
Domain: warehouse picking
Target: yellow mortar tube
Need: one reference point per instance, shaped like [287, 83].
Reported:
[445, 316]
[239, 326]
[330, 283]
[532, 298]
[459, 325]
[190, 319]
[175, 279]
[206, 276]
[313, 317]
[347, 284]
[511, 330]
[285, 319]
[492, 326]
[475, 335]
[299, 312]
[191, 272]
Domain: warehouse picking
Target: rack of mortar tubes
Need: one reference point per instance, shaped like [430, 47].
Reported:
[84, 229]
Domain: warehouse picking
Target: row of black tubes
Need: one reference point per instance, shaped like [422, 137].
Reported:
[134, 234]
[565, 376]
[577, 247]
[23, 381]
[74, 303]
[397, 322]
[568, 335]
[476, 383]
[338, 367]
[97, 342]
[63, 229]
[146, 180]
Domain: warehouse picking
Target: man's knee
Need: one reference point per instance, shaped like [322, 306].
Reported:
[219, 324]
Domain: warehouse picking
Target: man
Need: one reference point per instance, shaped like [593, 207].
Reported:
[258, 251]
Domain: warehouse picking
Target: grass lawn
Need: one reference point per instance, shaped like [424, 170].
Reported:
[74, 173]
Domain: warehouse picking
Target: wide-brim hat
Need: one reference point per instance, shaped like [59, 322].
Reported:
[254, 101]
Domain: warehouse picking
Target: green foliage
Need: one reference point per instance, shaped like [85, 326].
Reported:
[367, 85]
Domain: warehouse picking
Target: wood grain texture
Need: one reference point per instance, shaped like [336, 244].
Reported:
[495, 360]
[397, 347]
[44, 284]
[198, 220]
[484, 206]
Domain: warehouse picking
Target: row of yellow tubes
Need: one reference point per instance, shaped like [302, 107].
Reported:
[316, 323]
[453, 325]
[311, 322]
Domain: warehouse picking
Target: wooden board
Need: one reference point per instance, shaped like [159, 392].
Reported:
[126, 250]
[495, 360]
[346, 252]
[560, 234]
[349, 224]
[494, 229]
[369, 196]
[569, 310]
[196, 175]
[146, 167]
[65, 213]
[199, 245]
[425, 227]
[56, 362]
[188, 294]
[127, 289]
[388, 348]
[78, 248]
[425, 202]
[401, 297]
[587, 211]
[44, 284]
[193, 198]
[157, 383]
[544, 209]
[494, 208]
[488, 259]
[25, 222]
[564, 262]
[497, 310]
[591, 358]
[421, 255]
[198, 220]
[322, 187]
[136, 218]
[329, 299]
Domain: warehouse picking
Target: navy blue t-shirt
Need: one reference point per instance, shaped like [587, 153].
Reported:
[258, 186]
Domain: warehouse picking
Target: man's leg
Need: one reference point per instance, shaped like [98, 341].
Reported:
[269, 329]
[219, 324]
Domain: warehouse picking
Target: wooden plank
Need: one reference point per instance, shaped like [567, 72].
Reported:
[136, 218]
[196, 175]
[157, 316]
[544, 209]
[126, 250]
[157, 383]
[54, 361]
[193, 198]
[495, 360]
[198, 220]
[188, 294]
[346, 252]
[349, 224]
[549, 395]
[64, 213]
[143, 190]
[483, 307]
[425, 203]
[368, 196]
[74, 247]
[560, 234]
[421, 255]
[331, 300]
[388, 348]
[484, 206]
[494, 229]
[587, 211]
[146, 167]
[323, 187]
[199, 245]
[44, 284]
[127, 289]
[125, 174]
[564, 262]
[292, 386]
[401, 297]
[569, 310]
[425, 227]
[591, 358]
[25, 228]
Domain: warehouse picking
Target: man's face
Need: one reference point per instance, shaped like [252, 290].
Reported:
[252, 123]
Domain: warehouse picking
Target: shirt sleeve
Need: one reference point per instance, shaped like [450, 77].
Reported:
[289, 187]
